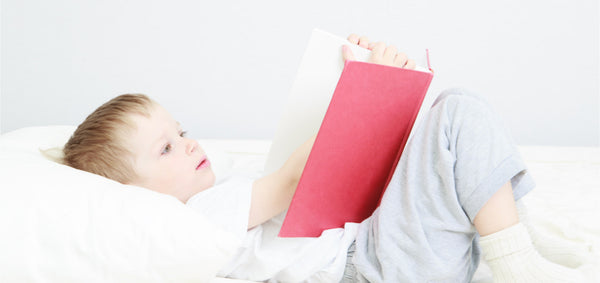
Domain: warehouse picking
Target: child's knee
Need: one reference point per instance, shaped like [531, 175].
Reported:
[459, 102]
[462, 96]
[466, 113]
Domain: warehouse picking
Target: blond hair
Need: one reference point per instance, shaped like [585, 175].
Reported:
[98, 144]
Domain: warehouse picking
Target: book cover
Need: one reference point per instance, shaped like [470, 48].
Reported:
[359, 143]
[349, 106]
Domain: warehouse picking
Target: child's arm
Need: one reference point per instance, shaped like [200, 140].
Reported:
[273, 193]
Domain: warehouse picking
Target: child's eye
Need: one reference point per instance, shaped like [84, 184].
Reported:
[166, 149]
[183, 134]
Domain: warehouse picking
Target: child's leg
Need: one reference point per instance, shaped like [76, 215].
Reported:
[498, 213]
[423, 230]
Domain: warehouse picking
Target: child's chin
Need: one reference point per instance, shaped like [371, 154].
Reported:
[207, 185]
[212, 179]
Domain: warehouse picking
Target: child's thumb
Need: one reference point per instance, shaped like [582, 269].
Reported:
[347, 53]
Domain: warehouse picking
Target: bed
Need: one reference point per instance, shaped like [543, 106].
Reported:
[63, 225]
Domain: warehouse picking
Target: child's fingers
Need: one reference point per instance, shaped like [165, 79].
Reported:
[363, 42]
[377, 53]
[410, 64]
[400, 60]
[353, 38]
[347, 53]
[389, 56]
[380, 53]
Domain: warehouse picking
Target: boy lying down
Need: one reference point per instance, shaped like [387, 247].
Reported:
[451, 198]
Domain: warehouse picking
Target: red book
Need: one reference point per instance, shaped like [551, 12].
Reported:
[358, 145]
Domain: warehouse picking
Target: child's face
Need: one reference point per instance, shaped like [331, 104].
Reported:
[165, 160]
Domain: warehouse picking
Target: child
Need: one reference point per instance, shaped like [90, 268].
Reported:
[452, 193]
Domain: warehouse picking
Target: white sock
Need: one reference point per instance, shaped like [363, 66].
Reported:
[512, 258]
[571, 254]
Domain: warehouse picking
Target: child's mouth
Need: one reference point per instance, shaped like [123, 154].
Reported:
[204, 163]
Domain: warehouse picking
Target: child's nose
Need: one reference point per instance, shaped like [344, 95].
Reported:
[192, 145]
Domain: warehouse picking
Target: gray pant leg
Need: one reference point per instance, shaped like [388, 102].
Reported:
[422, 231]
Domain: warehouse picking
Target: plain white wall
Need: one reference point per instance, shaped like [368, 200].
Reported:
[224, 68]
[1, 67]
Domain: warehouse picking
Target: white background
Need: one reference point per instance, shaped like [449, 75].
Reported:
[224, 68]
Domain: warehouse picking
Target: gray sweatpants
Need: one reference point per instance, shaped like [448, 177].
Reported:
[423, 230]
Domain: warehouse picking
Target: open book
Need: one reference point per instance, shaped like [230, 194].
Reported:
[363, 114]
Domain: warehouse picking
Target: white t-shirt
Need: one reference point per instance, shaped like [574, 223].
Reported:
[264, 256]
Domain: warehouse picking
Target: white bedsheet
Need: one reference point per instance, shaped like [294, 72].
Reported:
[565, 204]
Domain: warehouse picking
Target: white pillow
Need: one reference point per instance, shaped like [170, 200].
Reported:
[60, 224]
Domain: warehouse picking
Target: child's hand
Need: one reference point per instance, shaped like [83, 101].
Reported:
[380, 53]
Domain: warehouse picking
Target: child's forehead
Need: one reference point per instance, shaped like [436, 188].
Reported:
[157, 121]
[157, 113]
